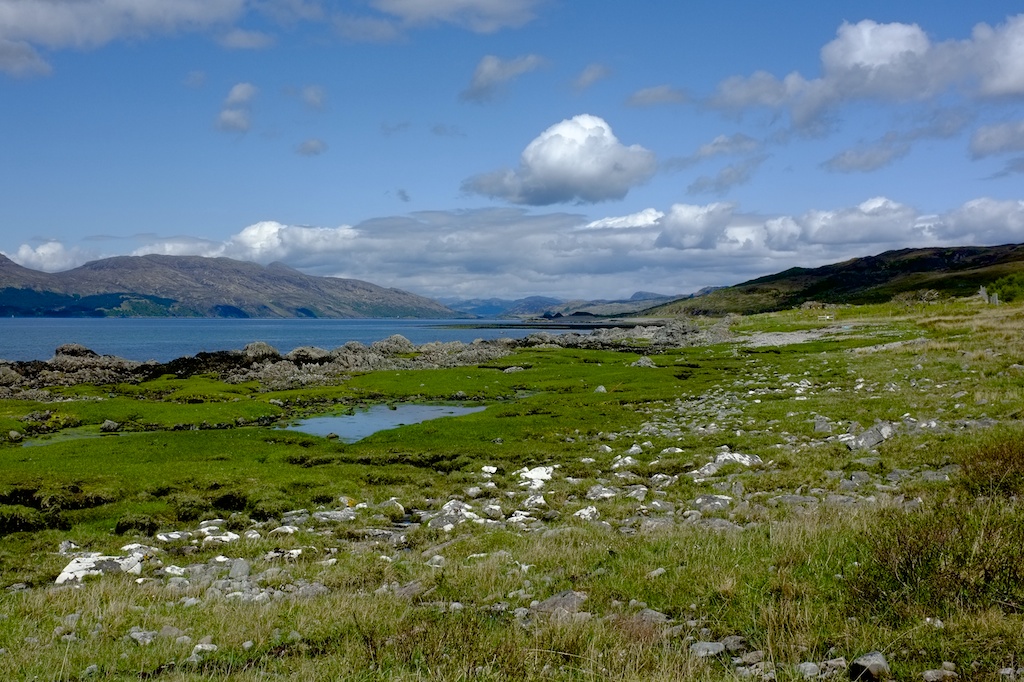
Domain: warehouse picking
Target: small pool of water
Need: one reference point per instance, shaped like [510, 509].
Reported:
[366, 421]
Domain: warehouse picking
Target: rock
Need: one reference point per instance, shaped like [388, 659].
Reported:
[882, 431]
[626, 461]
[712, 503]
[599, 492]
[657, 573]
[808, 670]
[588, 514]
[14, 436]
[534, 478]
[239, 569]
[437, 561]
[109, 426]
[98, 564]
[651, 616]
[568, 601]
[142, 637]
[822, 425]
[706, 649]
[600, 389]
[735, 644]
[938, 675]
[870, 667]
[643, 362]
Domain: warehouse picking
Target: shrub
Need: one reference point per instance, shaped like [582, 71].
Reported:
[1009, 288]
[142, 524]
[962, 555]
[190, 507]
[995, 465]
[16, 518]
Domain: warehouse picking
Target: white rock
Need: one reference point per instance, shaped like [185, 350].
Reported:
[588, 514]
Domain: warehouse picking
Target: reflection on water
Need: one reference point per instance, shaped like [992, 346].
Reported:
[366, 421]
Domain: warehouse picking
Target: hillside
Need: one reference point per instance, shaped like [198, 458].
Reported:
[193, 286]
[954, 271]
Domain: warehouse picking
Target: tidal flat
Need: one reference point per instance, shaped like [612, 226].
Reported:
[764, 497]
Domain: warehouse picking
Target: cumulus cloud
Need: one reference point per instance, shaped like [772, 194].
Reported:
[590, 75]
[688, 226]
[660, 94]
[998, 139]
[242, 39]
[314, 146]
[59, 24]
[233, 120]
[728, 177]
[578, 159]
[985, 221]
[492, 72]
[895, 62]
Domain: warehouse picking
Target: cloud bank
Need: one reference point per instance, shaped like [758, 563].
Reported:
[512, 252]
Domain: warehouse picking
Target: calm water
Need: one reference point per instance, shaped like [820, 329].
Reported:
[164, 339]
[364, 422]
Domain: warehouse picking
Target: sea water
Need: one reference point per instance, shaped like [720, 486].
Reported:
[164, 339]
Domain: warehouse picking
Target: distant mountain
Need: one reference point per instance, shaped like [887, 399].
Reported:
[536, 306]
[193, 286]
[501, 307]
[956, 271]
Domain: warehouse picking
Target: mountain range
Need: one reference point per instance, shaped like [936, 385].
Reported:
[952, 271]
[193, 286]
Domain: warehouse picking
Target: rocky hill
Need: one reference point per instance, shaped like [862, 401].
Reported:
[193, 286]
[953, 271]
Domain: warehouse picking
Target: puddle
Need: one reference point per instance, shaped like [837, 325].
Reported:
[366, 421]
[75, 433]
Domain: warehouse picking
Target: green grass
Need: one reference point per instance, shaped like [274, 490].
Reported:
[800, 584]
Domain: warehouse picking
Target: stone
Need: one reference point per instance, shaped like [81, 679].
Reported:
[568, 601]
[643, 362]
[109, 426]
[14, 436]
[142, 637]
[535, 478]
[99, 564]
[600, 389]
[587, 514]
[938, 675]
[808, 670]
[239, 569]
[870, 667]
[706, 649]
[735, 644]
[882, 431]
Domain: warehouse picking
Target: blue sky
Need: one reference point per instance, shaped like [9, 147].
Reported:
[509, 147]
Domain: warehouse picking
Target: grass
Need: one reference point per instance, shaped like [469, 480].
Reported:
[800, 583]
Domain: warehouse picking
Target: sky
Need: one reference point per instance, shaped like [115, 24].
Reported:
[508, 148]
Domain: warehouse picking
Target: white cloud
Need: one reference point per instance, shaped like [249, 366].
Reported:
[312, 147]
[314, 97]
[242, 39]
[492, 72]
[18, 58]
[511, 252]
[869, 157]
[590, 75]
[895, 144]
[895, 62]
[235, 116]
[659, 94]
[481, 16]
[58, 24]
[985, 221]
[728, 177]
[579, 159]
[241, 94]
[687, 226]
[50, 256]
[997, 139]
[234, 120]
[648, 217]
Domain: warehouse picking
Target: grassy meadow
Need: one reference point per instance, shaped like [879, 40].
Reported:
[818, 549]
